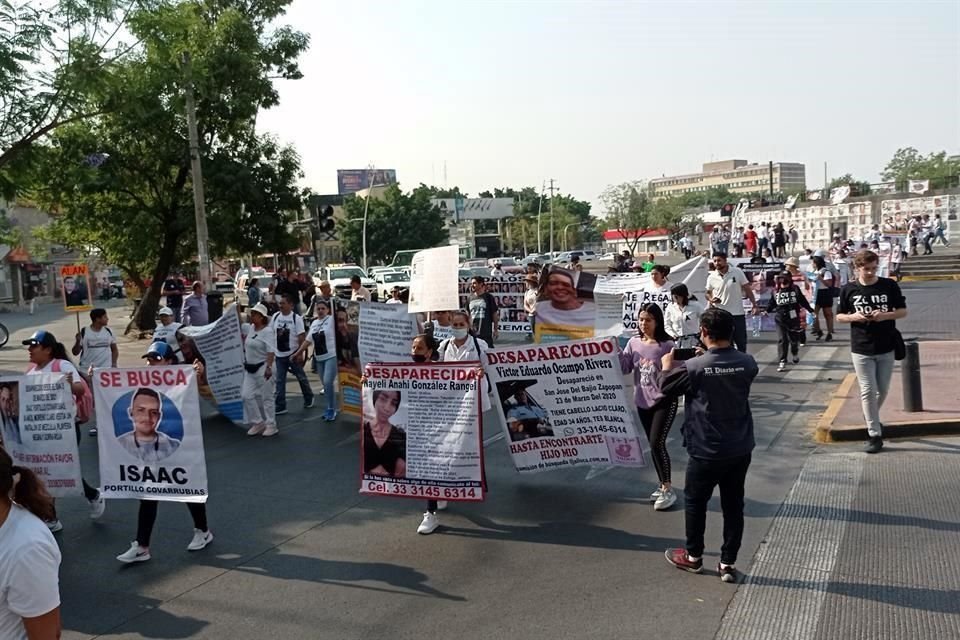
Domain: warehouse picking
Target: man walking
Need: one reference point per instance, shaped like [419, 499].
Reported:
[872, 306]
[290, 334]
[195, 311]
[718, 436]
[726, 287]
[173, 289]
[484, 312]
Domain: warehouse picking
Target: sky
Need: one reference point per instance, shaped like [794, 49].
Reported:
[484, 94]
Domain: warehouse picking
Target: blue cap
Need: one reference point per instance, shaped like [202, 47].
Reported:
[159, 351]
[41, 338]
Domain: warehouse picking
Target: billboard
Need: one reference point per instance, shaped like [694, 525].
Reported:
[353, 180]
[475, 208]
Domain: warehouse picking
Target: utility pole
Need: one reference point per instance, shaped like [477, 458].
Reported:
[551, 217]
[371, 176]
[199, 207]
[543, 188]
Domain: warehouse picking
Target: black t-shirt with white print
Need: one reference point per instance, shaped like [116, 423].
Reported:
[871, 338]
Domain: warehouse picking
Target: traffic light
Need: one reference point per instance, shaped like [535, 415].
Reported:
[326, 221]
[727, 210]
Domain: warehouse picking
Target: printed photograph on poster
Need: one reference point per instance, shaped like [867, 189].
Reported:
[761, 276]
[421, 433]
[75, 284]
[348, 356]
[566, 309]
[507, 290]
[38, 430]
[564, 405]
[150, 437]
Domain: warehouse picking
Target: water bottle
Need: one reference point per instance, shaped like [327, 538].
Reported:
[810, 319]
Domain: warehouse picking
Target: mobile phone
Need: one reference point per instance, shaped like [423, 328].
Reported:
[684, 354]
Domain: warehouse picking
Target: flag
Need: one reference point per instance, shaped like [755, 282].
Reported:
[919, 186]
[813, 195]
[839, 194]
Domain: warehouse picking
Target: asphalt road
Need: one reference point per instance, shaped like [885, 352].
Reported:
[299, 554]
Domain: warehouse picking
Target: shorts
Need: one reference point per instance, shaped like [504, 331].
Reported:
[824, 299]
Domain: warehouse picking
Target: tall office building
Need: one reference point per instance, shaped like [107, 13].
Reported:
[737, 176]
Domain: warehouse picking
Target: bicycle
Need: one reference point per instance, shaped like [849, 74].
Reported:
[4, 335]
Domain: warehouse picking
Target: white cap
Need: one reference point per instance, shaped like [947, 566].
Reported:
[821, 253]
[165, 311]
[261, 309]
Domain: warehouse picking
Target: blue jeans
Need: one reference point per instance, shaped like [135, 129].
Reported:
[286, 364]
[328, 374]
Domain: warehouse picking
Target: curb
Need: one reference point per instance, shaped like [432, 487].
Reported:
[825, 432]
[929, 278]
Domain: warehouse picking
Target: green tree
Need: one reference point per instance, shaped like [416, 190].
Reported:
[861, 187]
[627, 209]
[120, 181]
[395, 222]
[941, 170]
[710, 200]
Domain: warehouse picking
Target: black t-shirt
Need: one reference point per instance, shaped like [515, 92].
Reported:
[482, 309]
[174, 284]
[871, 338]
[290, 289]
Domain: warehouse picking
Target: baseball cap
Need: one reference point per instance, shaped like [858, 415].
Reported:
[41, 338]
[165, 311]
[159, 351]
[792, 261]
[260, 308]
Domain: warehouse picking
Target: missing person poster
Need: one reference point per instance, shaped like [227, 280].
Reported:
[386, 331]
[348, 356]
[433, 280]
[75, 284]
[761, 276]
[37, 414]
[508, 291]
[564, 405]
[220, 345]
[150, 438]
[421, 431]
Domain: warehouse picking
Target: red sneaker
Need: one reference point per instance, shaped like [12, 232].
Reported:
[680, 559]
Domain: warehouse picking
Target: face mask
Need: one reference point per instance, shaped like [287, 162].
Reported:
[419, 357]
[460, 334]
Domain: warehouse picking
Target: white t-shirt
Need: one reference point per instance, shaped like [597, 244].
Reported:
[329, 337]
[762, 232]
[168, 334]
[287, 329]
[257, 344]
[394, 301]
[65, 367]
[96, 348]
[29, 566]
[729, 288]
[362, 294]
[441, 333]
[468, 352]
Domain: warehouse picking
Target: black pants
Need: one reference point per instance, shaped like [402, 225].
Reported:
[148, 516]
[88, 492]
[789, 336]
[740, 332]
[656, 422]
[702, 477]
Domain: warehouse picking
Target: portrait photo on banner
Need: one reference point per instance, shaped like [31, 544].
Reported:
[147, 425]
[565, 305]
[384, 451]
[10, 413]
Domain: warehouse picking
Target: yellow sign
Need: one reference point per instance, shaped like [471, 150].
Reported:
[75, 284]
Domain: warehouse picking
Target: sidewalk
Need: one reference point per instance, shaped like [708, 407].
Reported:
[939, 368]
[863, 547]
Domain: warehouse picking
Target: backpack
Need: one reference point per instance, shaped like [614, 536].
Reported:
[83, 400]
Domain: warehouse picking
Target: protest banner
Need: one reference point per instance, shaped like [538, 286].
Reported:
[348, 356]
[643, 290]
[761, 277]
[564, 405]
[386, 331]
[37, 413]
[220, 345]
[421, 432]
[433, 280]
[150, 439]
[75, 285]
[508, 291]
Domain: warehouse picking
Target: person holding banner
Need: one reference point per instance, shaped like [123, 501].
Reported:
[643, 356]
[166, 331]
[29, 557]
[49, 356]
[259, 345]
[161, 354]
[323, 336]
[682, 318]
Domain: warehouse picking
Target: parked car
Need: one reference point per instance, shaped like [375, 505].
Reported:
[508, 265]
[539, 258]
[339, 275]
[264, 278]
[387, 280]
[476, 262]
[609, 256]
[588, 256]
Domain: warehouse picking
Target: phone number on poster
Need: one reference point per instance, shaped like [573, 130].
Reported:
[604, 428]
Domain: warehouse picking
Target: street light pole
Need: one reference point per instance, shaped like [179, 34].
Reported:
[199, 206]
[539, 211]
[572, 224]
[551, 216]
[371, 173]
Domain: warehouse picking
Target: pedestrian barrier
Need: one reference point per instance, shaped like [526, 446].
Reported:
[912, 384]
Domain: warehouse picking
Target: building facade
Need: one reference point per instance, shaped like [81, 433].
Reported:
[737, 176]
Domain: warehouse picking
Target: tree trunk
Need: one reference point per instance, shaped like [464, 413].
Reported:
[144, 317]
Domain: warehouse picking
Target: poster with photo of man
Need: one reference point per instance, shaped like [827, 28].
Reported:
[150, 440]
[75, 284]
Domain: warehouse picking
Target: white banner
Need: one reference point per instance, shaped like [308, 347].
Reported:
[386, 331]
[220, 345]
[150, 437]
[919, 186]
[839, 194]
[433, 280]
[37, 414]
[508, 291]
[422, 432]
[564, 405]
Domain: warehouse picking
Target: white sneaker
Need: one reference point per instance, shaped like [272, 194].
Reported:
[655, 495]
[280, 412]
[441, 505]
[54, 525]
[782, 366]
[92, 431]
[97, 506]
[271, 430]
[429, 523]
[256, 429]
[666, 500]
[200, 540]
[135, 553]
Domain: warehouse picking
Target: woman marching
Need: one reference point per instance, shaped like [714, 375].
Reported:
[161, 354]
[824, 297]
[259, 347]
[322, 334]
[682, 320]
[29, 556]
[787, 301]
[642, 356]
